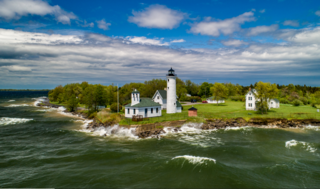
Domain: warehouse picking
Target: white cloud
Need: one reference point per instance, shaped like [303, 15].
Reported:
[318, 13]
[146, 41]
[18, 68]
[178, 41]
[234, 42]
[157, 16]
[15, 9]
[103, 25]
[308, 36]
[60, 59]
[291, 23]
[262, 11]
[227, 26]
[262, 29]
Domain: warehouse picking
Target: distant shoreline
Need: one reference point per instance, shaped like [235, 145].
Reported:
[25, 90]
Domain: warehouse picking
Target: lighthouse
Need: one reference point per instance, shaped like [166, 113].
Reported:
[171, 92]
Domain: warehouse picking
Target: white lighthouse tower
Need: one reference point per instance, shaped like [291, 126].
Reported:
[171, 92]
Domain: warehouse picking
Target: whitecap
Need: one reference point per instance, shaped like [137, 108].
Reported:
[39, 100]
[307, 146]
[11, 100]
[195, 159]
[114, 131]
[316, 128]
[17, 105]
[237, 128]
[10, 121]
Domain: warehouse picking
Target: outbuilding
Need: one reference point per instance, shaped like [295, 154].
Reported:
[192, 112]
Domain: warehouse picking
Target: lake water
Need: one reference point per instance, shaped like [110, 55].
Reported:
[45, 148]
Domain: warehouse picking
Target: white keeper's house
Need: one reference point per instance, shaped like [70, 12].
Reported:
[162, 99]
[251, 101]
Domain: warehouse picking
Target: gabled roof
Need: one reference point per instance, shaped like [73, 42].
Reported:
[252, 91]
[276, 100]
[178, 104]
[163, 94]
[144, 102]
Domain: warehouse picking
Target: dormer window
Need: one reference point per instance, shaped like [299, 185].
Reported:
[249, 93]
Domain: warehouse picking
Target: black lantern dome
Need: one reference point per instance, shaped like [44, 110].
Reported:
[171, 72]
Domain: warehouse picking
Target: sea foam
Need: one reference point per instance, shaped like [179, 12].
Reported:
[307, 146]
[195, 159]
[11, 100]
[11, 121]
[17, 105]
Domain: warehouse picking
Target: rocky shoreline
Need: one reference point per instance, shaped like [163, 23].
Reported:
[156, 129]
[46, 104]
[153, 130]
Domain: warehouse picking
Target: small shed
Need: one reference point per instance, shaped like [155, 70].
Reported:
[192, 112]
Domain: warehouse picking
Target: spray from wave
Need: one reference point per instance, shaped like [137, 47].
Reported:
[115, 131]
[307, 146]
[17, 105]
[195, 159]
[11, 121]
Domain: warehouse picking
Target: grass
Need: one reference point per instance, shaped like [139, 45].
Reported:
[231, 109]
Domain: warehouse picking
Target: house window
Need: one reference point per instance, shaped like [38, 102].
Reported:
[271, 102]
[128, 111]
[152, 110]
[158, 97]
[249, 93]
[157, 110]
[250, 104]
[134, 111]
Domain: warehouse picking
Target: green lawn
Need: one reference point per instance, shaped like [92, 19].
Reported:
[233, 109]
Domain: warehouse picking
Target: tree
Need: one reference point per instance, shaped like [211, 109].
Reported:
[114, 107]
[265, 92]
[72, 103]
[219, 91]
[205, 89]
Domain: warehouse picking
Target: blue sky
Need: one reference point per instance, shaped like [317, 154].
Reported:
[47, 43]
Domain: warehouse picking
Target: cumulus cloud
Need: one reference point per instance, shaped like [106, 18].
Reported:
[15, 9]
[262, 29]
[102, 24]
[293, 23]
[60, 59]
[226, 27]
[178, 41]
[318, 13]
[157, 16]
[146, 41]
[234, 42]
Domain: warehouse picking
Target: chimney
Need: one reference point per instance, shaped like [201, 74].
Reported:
[250, 89]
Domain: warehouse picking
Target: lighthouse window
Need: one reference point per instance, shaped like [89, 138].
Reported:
[174, 103]
[168, 87]
[168, 80]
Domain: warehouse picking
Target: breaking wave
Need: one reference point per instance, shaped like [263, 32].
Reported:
[39, 100]
[11, 121]
[307, 146]
[316, 128]
[17, 105]
[237, 128]
[195, 159]
[110, 131]
[11, 100]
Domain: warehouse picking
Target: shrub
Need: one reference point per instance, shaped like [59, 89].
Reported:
[284, 101]
[114, 107]
[297, 102]
[304, 100]
[238, 98]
